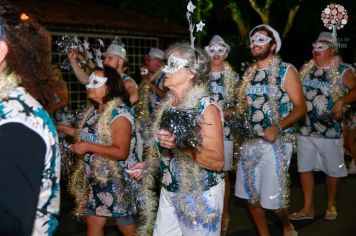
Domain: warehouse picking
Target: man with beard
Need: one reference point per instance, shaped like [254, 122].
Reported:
[271, 101]
[151, 93]
[222, 87]
[153, 78]
[329, 86]
[114, 57]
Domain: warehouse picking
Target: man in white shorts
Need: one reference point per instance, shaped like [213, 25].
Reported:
[271, 98]
[222, 81]
[328, 85]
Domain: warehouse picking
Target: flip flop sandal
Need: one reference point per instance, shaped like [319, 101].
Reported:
[331, 213]
[300, 216]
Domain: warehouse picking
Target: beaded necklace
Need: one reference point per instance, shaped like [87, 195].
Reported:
[79, 185]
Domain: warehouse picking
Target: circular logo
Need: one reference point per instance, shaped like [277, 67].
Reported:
[334, 15]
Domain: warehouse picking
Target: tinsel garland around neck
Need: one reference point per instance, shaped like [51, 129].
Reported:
[251, 158]
[79, 185]
[183, 121]
[189, 175]
[230, 84]
[7, 82]
[143, 111]
[229, 78]
[333, 73]
[336, 91]
[186, 109]
[272, 99]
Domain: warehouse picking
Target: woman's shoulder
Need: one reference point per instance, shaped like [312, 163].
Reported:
[206, 100]
[122, 110]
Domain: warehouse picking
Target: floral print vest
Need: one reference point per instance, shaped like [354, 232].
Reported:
[259, 111]
[317, 94]
[20, 107]
[174, 160]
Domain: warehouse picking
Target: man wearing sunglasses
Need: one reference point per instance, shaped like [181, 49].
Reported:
[329, 85]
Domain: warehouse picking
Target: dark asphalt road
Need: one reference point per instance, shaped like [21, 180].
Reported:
[240, 222]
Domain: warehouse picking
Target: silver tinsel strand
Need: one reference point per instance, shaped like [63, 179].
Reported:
[184, 125]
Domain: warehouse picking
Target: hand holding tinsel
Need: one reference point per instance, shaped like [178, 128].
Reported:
[68, 44]
[85, 54]
[166, 139]
[68, 159]
[184, 125]
[241, 127]
[339, 108]
[328, 118]
[136, 171]
[271, 133]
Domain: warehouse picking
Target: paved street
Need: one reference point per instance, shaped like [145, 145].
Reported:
[241, 224]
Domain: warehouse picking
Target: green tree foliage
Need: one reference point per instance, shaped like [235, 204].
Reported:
[266, 10]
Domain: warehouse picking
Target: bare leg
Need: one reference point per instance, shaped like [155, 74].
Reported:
[287, 226]
[350, 142]
[127, 230]
[95, 225]
[347, 140]
[259, 217]
[331, 183]
[353, 144]
[226, 214]
[307, 180]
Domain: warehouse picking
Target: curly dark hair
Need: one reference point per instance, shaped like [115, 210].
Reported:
[28, 52]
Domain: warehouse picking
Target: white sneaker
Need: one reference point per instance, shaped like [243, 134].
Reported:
[352, 168]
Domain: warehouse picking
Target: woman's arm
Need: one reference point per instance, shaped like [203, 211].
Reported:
[79, 73]
[211, 153]
[349, 81]
[66, 129]
[121, 140]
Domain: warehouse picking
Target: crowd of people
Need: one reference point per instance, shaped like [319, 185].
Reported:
[157, 157]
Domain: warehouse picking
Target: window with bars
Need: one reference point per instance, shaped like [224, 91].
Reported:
[136, 48]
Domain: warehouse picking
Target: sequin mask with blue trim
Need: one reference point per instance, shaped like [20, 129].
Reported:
[96, 81]
[174, 64]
